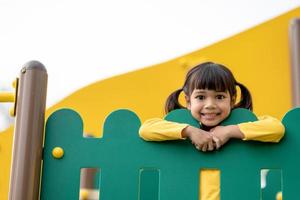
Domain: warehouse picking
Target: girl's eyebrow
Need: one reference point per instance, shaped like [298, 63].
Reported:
[200, 91]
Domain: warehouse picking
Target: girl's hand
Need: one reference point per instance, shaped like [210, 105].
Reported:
[202, 140]
[224, 133]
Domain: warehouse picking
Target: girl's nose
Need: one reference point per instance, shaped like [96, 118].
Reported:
[210, 104]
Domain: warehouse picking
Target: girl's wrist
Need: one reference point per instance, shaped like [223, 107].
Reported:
[185, 133]
[235, 132]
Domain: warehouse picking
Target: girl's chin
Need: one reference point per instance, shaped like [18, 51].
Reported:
[210, 124]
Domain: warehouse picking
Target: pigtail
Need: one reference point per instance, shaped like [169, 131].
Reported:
[172, 102]
[246, 99]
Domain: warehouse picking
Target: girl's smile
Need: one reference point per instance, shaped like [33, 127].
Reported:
[209, 107]
[209, 116]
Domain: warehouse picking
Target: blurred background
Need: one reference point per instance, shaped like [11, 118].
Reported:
[81, 42]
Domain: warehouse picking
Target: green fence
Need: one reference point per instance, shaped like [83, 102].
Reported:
[135, 169]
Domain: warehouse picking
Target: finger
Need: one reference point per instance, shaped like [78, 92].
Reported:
[204, 148]
[217, 142]
[211, 146]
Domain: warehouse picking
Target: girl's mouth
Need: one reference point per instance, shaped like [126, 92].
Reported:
[209, 116]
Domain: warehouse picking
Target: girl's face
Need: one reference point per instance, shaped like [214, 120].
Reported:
[208, 106]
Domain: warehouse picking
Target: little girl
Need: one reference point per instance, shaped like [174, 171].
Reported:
[210, 94]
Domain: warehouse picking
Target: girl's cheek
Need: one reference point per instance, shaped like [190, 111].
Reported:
[196, 116]
[227, 114]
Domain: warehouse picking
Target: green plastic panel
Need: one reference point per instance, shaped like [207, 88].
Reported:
[172, 167]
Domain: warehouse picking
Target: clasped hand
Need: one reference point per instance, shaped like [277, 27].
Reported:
[214, 139]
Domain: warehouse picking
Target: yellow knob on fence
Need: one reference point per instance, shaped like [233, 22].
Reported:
[57, 152]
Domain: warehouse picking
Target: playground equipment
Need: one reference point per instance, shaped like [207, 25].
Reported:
[175, 63]
[29, 107]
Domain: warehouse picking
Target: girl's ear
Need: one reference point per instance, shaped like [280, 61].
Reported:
[188, 102]
[233, 99]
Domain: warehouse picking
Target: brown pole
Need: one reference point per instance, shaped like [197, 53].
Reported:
[28, 136]
[294, 36]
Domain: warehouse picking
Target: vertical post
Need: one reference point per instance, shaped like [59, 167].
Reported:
[28, 135]
[295, 60]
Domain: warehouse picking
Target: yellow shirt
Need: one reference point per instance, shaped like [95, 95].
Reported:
[266, 129]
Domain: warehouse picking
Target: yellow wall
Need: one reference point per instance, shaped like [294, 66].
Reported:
[259, 58]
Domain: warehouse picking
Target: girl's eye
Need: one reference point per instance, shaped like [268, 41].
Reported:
[220, 97]
[200, 97]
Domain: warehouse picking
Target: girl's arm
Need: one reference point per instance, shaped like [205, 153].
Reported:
[224, 133]
[157, 129]
[266, 129]
[161, 130]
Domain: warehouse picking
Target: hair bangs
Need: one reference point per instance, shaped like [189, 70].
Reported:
[211, 79]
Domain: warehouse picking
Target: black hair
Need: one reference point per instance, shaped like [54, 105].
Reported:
[211, 76]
